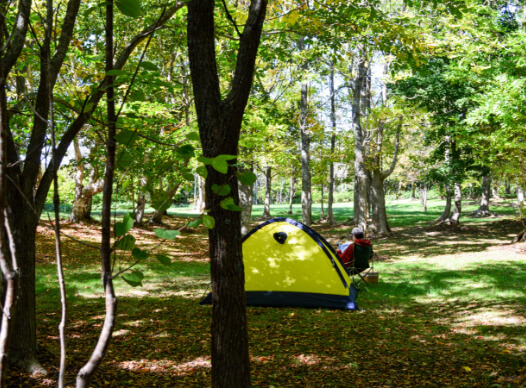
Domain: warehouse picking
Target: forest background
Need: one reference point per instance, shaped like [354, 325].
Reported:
[349, 101]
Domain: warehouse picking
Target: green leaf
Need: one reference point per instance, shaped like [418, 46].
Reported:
[127, 243]
[126, 137]
[186, 151]
[205, 160]
[133, 278]
[202, 171]
[195, 223]
[132, 8]
[167, 234]
[121, 228]
[139, 254]
[163, 259]
[193, 136]
[220, 165]
[247, 178]
[116, 72]
[229, 204]
[223, 190]
[189, 177]
[149, 65]
[161, 202]
[209, 221]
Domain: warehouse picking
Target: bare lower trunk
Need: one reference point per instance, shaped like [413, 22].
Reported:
[379, 224]
[245, 202]
[423, 195]
[483, 210]
[306, 184]
[268, 192]
[457, 208]
[292, 191]
[447, 209]
[139, 212]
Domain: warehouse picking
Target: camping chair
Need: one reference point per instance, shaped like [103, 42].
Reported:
[361, 265]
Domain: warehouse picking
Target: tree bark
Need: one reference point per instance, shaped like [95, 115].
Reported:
[361, 176]
[268, 193]
[483, 210]
[245, 201]
[292, 191]
[88, 370]
[379, 223]
[447, 209]
[330, 199]
[457, 208]
[81, 210]
[306, 184]
[219, 123]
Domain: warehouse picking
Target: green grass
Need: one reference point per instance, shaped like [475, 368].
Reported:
[449, 310]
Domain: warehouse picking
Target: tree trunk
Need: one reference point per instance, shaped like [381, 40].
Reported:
[87, 371]
[141, 206]
[219, 128]
[361, 177]
[457, 209]
[483, 210]
[447, 209]
[268, 192]
[292, 191]
[24, 206]
[423, 196]
[379, 223]
[245, 202]
[306, 184]
[330, 199]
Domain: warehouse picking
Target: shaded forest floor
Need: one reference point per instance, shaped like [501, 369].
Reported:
[449, 311]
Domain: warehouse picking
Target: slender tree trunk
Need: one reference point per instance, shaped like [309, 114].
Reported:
[361, 177]
[330, 200]
[423, 195]
[457, 209]
[268, 192]
[219, 123]
[88, 370]
[292, 191]
[245, 202]
[306, 184]
[379, 223]
[8, 257]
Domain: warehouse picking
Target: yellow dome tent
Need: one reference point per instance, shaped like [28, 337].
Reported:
[289, 264]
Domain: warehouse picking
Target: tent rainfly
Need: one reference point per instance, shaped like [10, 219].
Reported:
[289, 264]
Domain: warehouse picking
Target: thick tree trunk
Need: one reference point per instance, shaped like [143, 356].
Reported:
[483, 210]
[139, 212]
[268, 192]
[219, 128]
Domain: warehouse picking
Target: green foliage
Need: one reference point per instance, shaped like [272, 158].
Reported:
[167, 234]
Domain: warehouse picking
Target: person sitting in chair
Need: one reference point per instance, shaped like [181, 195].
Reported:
[357, 254]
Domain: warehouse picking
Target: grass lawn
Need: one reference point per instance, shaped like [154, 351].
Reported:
[449, 311]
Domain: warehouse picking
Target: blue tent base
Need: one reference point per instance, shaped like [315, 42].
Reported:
[298, 299]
